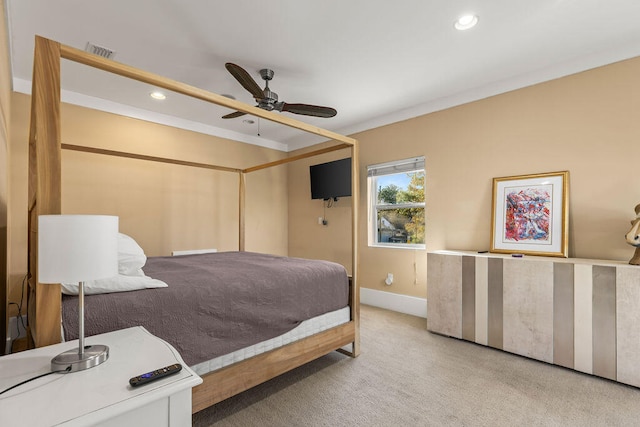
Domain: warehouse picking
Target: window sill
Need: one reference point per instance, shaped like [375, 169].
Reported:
[399, 246]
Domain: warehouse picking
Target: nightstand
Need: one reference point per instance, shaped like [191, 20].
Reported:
[100, 395]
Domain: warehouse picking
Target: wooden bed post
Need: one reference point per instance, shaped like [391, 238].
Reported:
[241, 210]
[355, 289]
[44, 301]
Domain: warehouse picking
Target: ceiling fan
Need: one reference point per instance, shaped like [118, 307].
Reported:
[268, 100]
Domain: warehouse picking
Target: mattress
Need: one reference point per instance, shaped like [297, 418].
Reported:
[305, 329]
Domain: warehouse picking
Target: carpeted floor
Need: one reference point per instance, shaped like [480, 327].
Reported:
[407, 376]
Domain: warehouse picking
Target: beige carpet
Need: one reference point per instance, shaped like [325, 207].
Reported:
[407, 376]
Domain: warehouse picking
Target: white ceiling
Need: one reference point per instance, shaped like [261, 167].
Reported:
[375, 61]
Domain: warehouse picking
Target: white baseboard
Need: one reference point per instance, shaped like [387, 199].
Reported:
[193, 252]
[394, 302]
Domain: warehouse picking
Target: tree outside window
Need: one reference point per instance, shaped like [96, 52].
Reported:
[398, 203]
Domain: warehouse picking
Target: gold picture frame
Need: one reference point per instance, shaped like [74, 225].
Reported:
[530, 214]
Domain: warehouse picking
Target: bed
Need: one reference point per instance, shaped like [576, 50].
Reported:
[228, 301]
[224, 375]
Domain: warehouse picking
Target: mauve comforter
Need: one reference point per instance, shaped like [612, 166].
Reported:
[216, 303]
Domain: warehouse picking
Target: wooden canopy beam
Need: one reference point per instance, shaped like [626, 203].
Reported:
[148, 158]
[95, 61]
[298, 157]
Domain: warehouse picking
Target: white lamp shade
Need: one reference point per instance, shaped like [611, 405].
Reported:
[77, 248]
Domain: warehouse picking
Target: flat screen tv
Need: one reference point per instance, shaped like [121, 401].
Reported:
[331, 180]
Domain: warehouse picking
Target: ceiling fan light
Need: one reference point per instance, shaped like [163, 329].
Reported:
[466, 22]
[158, 95]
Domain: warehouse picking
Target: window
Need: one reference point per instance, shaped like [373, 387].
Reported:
[396, 208]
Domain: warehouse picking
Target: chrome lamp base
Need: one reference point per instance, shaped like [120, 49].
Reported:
[93, 355]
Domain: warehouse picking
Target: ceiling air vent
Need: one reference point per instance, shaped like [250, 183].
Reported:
[99, 50]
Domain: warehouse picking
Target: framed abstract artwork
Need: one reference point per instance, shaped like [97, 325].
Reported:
[530, 214]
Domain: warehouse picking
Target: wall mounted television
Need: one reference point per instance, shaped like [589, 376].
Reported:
[331, 180]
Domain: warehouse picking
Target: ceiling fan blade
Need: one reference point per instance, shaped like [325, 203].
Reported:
[309, 110]
[233, 115]
[245, 80]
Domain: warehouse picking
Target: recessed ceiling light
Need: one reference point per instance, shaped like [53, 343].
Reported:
[158, 95]
[466, 21]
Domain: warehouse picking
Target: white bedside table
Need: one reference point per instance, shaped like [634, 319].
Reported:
[100, 395]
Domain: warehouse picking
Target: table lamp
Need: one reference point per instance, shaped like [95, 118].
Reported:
[74, 249]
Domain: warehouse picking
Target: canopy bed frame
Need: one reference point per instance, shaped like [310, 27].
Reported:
[45, 149]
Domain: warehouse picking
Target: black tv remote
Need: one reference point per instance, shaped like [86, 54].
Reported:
[155, 375]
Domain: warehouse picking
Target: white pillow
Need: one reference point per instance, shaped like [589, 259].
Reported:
[119, 283]
[131, 257]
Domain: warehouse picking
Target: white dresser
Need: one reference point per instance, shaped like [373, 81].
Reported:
[578, 313]
[101, 395]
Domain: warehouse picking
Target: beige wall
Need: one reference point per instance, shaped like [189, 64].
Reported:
[5, 94]
[164, 207]
[307, 238]
[587, 123]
